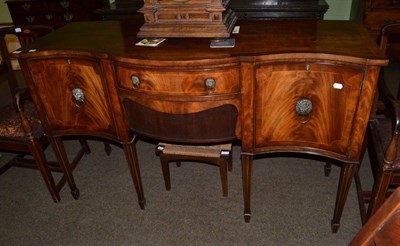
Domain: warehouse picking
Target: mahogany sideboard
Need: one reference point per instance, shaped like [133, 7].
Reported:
[303, 87]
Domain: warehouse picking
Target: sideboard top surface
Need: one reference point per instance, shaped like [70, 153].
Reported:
[118, 39]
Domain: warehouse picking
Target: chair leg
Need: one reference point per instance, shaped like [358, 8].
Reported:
[165, 170]
[41, 162]
[229, 161]
[361, 202]
[85, 146]
[59, 151]
[131, 157]
[327, 168]
[107, 148]
[223, 172]
[379, 191]
[5, 167]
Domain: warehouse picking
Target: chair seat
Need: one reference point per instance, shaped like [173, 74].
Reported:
[213, 151]
[10, 123]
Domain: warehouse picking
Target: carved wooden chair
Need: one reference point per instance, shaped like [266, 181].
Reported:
[383, 135]
[187, 136]
[20, 129]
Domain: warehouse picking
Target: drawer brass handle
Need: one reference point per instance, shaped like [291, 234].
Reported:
[210, 83]
[304, 106]
[135, 81]
[78, 95]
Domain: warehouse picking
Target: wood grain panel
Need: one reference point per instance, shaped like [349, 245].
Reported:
[54, 80]
[216, 124]
[184, 105]
[329, 124]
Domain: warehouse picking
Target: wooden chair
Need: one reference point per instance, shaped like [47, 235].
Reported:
[220, 155]
[383, 228]
[21, 131]
[382, 137]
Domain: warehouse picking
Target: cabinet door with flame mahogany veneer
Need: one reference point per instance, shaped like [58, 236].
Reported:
[308, 107]
[72, 93]
[305, 105]
[73, 98]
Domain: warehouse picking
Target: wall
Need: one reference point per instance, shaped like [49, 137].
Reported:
[338, 10]
[4, 14]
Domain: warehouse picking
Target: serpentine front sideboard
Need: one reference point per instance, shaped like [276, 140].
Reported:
[304, 87]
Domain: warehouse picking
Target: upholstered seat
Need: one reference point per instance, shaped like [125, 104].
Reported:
[10, 122]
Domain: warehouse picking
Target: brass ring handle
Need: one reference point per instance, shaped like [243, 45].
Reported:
[78, 95]
[304, 106]
[210, 83]
[135, 81]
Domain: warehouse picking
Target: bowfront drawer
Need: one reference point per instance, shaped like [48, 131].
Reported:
[179, 82]
[306, 106]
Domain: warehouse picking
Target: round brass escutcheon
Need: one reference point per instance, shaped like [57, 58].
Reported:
[304, 106]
